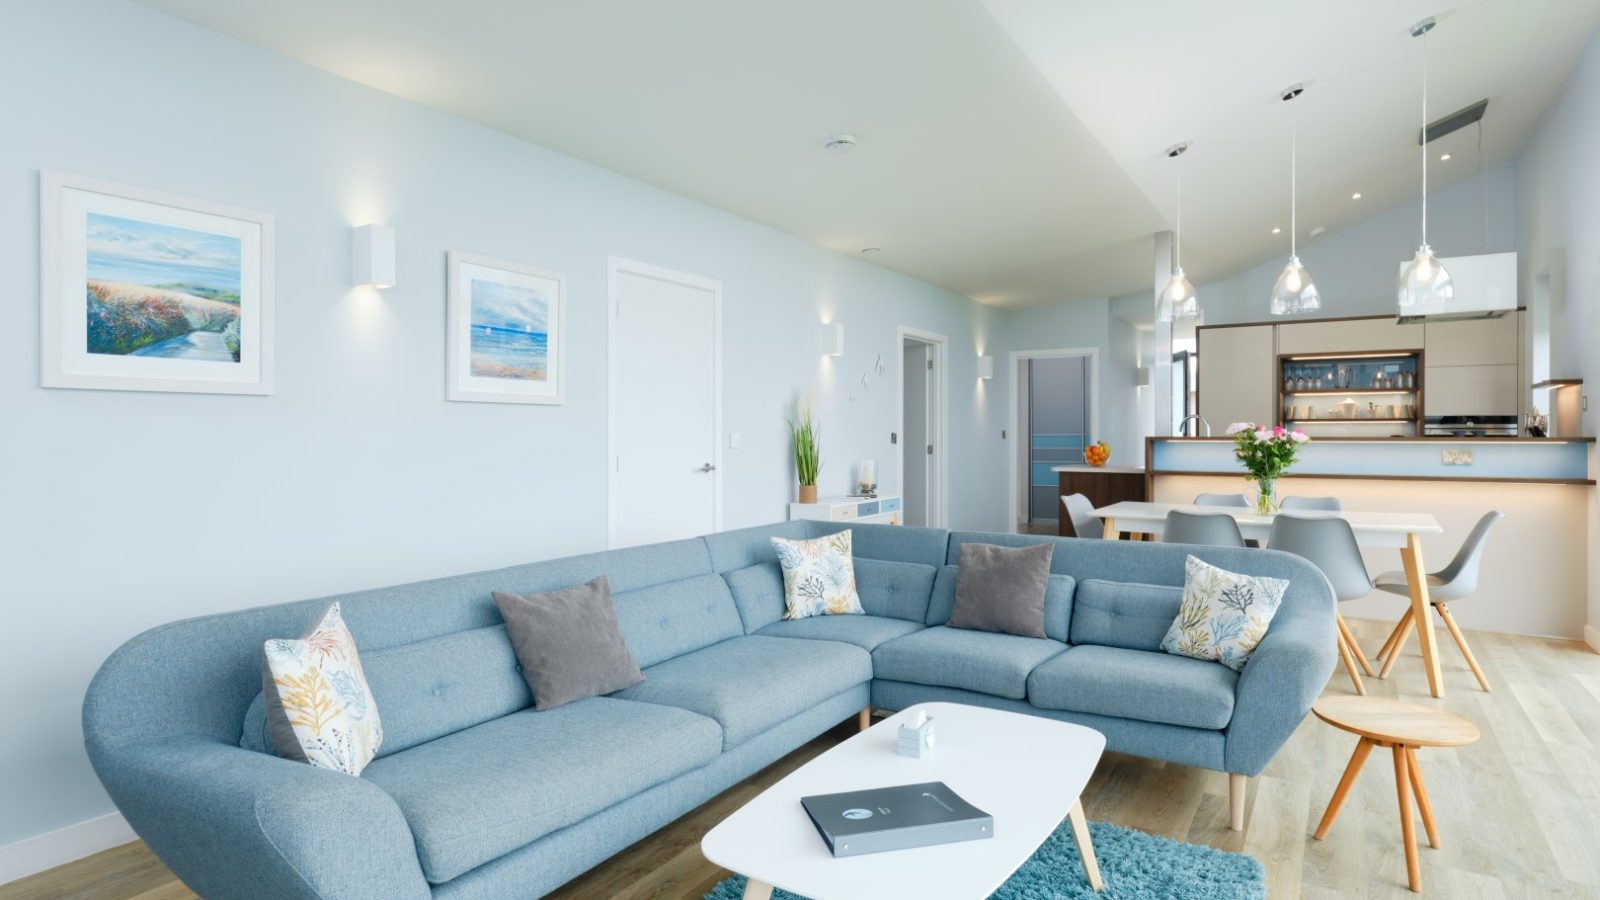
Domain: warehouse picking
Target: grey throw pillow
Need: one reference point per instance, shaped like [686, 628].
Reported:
[1002, 588]
[569, 643]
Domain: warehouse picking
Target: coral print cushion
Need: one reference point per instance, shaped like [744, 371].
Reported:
[319, 708]
[819, 577]
[1223, 615]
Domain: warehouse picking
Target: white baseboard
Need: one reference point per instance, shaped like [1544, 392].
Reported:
[1591, 637]
[53, 848]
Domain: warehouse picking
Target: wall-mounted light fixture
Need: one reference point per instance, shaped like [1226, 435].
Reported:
[985, 367]
[374, 256]
[1141, 376]
[831, 339]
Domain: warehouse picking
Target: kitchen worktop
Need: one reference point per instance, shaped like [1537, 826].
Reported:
[1100, 470]
[1503, 459]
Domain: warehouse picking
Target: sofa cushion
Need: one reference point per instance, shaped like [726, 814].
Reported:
[568, 643]
[662, 621]
[478, 794]
[318, 707]
[1224, 614]
[1136, 684]
[1058, 602]
[889, 589]
[1121, 614]
[819, 576]
[749, 684]
[980, 661]
[866, 632]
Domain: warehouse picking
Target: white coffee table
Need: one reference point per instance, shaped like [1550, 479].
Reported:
[1024, 770]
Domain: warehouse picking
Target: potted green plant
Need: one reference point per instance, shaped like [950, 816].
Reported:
[807, 456]
[1266, 454]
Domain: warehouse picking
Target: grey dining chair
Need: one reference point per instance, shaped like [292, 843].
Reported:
[1210, 529]
[1457, 580]
[1231, 500]
[1085, 523]
[1320, 504]
[1330, 545]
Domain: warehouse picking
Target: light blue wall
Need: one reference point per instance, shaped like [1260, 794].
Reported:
[119, 511]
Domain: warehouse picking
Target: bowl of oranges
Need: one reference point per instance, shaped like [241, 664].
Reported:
[1097, 453]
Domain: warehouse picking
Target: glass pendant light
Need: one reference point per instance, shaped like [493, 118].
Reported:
[1178, 301]
[1294, 292]
[1423, 281]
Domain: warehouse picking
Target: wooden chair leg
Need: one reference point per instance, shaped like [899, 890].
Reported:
[1421, 792]
[1350, 664]
[1394, 636]
[1350, 640]
[1357, 760]
[1461, 641]
[1406, 624]
[1408, 828]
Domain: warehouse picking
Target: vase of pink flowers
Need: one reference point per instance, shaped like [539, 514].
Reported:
[1266, 453]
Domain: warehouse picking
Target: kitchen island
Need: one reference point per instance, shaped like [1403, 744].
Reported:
[1535, 571]
[1103, 485]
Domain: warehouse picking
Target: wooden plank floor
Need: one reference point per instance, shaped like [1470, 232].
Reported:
[1519, 812]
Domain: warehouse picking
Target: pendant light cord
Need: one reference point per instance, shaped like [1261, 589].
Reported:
[1483, 171]
[1425, 139]
[1177, 244]
[1294, 154]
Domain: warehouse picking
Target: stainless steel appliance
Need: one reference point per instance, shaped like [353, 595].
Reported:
[1470, 426]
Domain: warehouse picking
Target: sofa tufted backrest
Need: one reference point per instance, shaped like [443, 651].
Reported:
[1124, 614]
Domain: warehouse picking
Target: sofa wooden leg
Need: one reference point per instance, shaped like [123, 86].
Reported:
[864, 719]
[1237, 785]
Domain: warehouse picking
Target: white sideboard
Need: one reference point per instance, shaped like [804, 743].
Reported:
[880, 510]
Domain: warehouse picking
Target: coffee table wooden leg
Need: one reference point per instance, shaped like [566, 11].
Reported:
[1357, 760]
[1417, 578]
[1408, 829]
[757, 890]
[1421, 792]
[1080, 833]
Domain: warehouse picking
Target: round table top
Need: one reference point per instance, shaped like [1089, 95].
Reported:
[1395, 721]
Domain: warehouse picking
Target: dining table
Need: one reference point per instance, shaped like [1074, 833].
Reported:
[1400, 531]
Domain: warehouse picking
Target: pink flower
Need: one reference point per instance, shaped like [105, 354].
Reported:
[1298, 436]
[1237, 427]
[1277, 431]
[1263, 435]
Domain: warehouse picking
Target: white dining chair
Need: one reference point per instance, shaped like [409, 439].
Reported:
[1206, 529]
[1080, 511]
[1457, 580]
[1319, 504]
[1330, 545]
[1232, 501]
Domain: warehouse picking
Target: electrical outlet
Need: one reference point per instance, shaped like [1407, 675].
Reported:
[1456, 457]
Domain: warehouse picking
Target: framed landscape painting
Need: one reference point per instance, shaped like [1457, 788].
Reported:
[506, 331]
[148, 291]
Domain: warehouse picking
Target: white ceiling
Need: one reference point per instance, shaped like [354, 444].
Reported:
[971, 171]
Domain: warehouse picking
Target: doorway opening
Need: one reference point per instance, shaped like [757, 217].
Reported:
[1056, 415]
[923, 435]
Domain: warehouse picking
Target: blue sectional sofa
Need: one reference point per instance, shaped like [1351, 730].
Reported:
[476, 795]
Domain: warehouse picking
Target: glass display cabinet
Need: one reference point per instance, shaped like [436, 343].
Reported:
[1352, 394]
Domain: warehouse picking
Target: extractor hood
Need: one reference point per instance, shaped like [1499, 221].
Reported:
[1486, 288]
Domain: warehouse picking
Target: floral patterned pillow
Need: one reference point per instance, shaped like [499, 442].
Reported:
[319, 708]
[1223, 615]
[819, 576]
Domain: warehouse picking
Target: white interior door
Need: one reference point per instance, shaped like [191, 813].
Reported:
[665, 406]
[914, 450]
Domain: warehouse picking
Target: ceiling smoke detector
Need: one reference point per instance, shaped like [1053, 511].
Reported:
[839, 143]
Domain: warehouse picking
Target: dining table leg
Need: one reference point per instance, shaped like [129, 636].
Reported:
[1417, 578]
[1111, 532]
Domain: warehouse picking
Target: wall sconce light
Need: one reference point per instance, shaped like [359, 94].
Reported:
[831, 339]
[374, 256]
[985, 367]
[1141, 376]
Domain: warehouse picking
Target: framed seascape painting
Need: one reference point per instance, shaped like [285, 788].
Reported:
[506, 332]
[148, 291]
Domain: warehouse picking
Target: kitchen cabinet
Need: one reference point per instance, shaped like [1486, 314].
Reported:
[1472, 390]
[1472, 342]
[1237, 379]
[1348, 336]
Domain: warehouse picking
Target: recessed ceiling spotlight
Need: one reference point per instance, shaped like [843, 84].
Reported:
[1277, 230]
[1444, 157]
[839, 143]
[871, 251]
[1356, 196]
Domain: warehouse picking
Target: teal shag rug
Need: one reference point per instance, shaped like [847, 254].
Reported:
[1134, 866]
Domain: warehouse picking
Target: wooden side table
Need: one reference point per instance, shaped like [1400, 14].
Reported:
[1402, 727]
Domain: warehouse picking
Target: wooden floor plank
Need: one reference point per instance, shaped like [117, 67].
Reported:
[1518, 811]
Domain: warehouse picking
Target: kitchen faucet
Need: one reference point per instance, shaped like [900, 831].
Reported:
[1183, 427]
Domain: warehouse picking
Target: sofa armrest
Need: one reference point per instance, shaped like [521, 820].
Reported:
[1285, 674]
[234, 823]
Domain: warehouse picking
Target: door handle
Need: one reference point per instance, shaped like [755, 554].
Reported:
[708, 467]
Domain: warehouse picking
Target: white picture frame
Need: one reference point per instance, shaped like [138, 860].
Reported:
[143, 290]
[506, 331]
